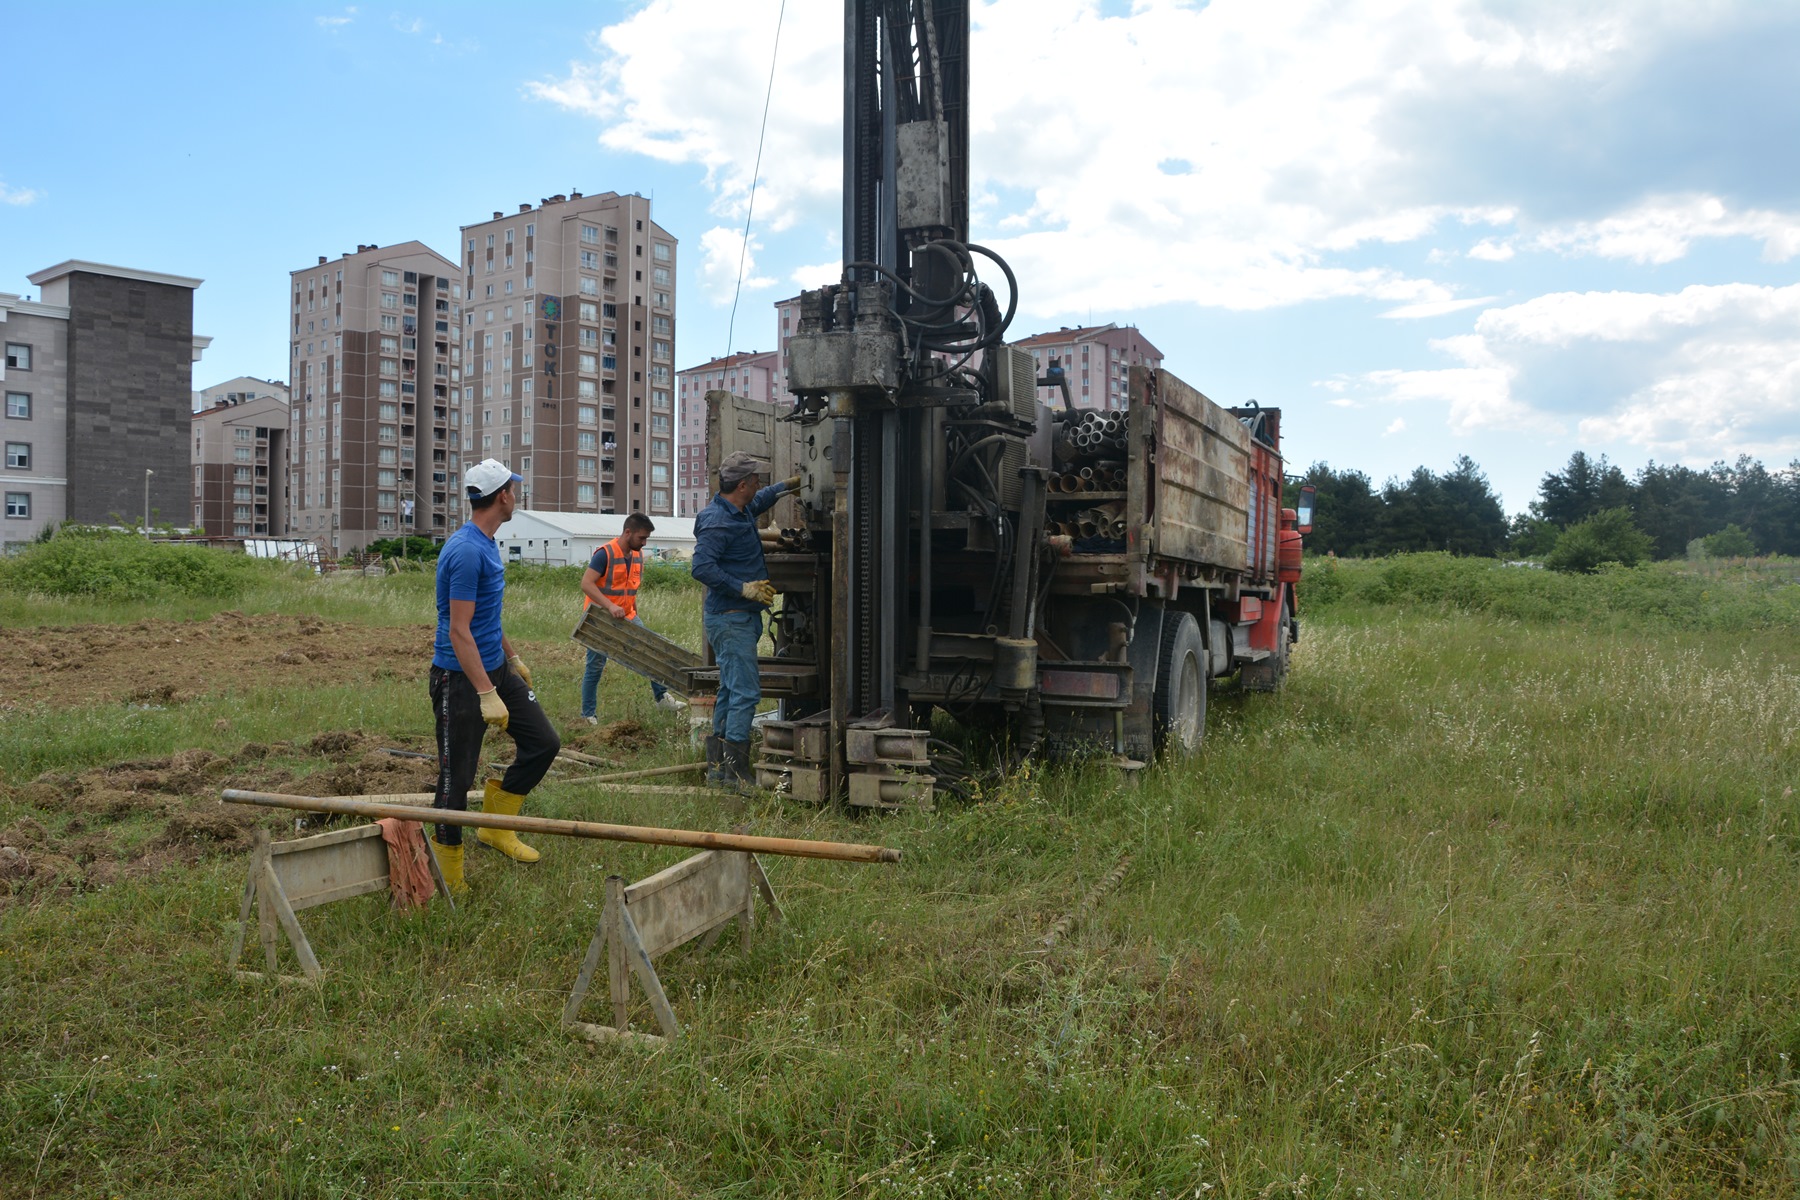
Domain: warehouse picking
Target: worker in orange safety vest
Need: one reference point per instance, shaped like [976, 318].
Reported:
[611, 581]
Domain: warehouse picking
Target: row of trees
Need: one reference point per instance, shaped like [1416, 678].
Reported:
[1664, 512]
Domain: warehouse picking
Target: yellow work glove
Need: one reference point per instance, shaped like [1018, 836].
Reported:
[759, 590]
[518, 668]
[792, 482]
[493, 708]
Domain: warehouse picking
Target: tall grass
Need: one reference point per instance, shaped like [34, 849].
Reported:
[1480, 905]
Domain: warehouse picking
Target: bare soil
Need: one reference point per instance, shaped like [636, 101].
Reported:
[168, 662]
[135, 818]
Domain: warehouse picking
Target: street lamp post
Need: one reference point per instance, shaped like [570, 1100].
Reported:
[147, 474]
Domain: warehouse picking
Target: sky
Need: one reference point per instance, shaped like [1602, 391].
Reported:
[1510, 230]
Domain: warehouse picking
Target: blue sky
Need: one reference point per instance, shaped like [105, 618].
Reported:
[1510, 230]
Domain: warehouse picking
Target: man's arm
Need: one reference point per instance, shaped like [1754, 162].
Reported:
[765, 499]
[590, 587]
[706, 562]
[463, 642]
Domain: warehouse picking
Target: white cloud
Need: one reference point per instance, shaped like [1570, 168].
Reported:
[333, 24]
[817, 274]
[1434, 308]
[721, 252]
[1662, 230]
[18, 197]
[1397, 425]
[1489, 250]
[1704, 373]
[415, 25]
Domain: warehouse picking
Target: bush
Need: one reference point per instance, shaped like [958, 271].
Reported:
[126, 567]
[1729, 542]
[1605, 537]
[410, 547]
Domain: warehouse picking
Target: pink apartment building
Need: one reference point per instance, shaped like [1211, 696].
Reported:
[752, 374]
[1096, 359]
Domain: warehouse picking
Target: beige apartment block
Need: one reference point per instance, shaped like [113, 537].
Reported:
[568, 345]
[1096, 359]
[787, 321]
[240, 460]
[752, 375]
[375, 445]
[239, 390]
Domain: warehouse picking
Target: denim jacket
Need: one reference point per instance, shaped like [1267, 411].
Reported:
[727, 551]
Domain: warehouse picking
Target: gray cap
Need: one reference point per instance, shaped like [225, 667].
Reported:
[738, 466]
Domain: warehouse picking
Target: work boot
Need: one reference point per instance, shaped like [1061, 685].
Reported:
[715, 750]
[450, 865]
[503, 803]
[737, 762]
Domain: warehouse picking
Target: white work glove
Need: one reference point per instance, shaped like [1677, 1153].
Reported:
[518, 668]
[759, 590]
[493, 708]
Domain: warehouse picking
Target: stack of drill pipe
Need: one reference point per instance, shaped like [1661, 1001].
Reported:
[1090, 445]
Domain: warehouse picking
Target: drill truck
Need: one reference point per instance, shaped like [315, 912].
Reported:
[1070, 578]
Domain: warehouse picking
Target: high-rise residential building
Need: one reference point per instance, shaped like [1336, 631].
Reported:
[1096, 360]
[751, 375]
[239, 390]
[98, 379]
[375, 446]
[787, 321]
[568, 343]
[240, 460]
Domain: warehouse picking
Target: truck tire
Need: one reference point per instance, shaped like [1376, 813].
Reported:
[1267, 675]
[1179, 705]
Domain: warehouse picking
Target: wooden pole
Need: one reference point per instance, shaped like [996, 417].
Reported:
[643, 835]
[646, 773]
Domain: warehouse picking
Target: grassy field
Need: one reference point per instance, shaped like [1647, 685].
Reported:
[1498, 898]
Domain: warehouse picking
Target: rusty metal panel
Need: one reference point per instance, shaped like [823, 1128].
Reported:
[1200, 498]
[689, 898]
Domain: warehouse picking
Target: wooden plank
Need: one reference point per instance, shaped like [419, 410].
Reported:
[272, 893]
[652, 884]
[693, 904]
[331, 838]
[585, 979]
[646, 973]
[618, 973]
[1201, 498]
[766, 888]
[333, 871]
[265, 909]
[244, 906]
[605, 1035]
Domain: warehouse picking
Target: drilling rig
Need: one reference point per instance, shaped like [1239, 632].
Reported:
[1063, 578]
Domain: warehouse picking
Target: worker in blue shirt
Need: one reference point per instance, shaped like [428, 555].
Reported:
[728, 560]
[478, 681]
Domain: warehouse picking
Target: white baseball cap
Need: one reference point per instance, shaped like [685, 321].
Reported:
[487, 477]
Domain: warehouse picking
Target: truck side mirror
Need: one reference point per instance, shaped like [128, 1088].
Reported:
[1308, 494]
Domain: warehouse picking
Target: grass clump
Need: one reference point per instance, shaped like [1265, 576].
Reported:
[127, 569]
[1666, 595]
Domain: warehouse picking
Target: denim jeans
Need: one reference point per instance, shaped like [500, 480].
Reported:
[590, 680]
[733, 637]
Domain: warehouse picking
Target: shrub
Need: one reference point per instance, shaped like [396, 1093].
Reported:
[1729, 542]
[126, 567]
[410, 547]
[1605, 537]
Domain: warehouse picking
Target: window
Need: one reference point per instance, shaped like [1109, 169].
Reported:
[390, 279]
[584, 415]
[584, 494]
[585, 440]
[18, 358]
[18, 455]
[589, 287]
[18, 504]
[659, 498]
[662, 300]
[18, 405]
[660, 276]
[390, 322]
[388, 412]
[659, 398]
[590, 234]
[389, 300]
[659, 473]
[584, 468]
[590, 260]
[589, 363]
[662, 350]
[589, 312]
[660, 251]
[584, 388]
[659, 448]
[390, 345]
[242, 454]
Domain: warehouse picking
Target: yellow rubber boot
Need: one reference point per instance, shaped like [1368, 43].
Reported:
[499, 801]
[450, 863]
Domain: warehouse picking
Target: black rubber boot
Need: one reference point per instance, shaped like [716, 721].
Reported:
[737, 764]
[715, 750]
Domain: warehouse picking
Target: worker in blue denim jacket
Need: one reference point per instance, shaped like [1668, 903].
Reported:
[728, 560]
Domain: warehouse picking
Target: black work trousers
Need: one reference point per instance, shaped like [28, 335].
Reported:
[460, 731]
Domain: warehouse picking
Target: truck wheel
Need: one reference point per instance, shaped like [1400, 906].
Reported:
[1267, 675]
[1180, 701]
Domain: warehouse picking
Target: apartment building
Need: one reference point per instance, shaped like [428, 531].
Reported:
[568, 350]
[1096, 359]
[98, 379]
[787, 321]
[240, 460]
[753, 375]
[375, 439]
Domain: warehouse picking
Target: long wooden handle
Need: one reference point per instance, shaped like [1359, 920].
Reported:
[698, 839]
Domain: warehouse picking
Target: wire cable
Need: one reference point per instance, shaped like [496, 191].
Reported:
[750, 207]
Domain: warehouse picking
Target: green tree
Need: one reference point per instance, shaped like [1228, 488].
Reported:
[1606, 537]
[1347, 517]
[1729, 542]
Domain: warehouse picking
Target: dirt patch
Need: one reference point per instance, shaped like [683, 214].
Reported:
[626, 737]
[101, 813]
[169, 662]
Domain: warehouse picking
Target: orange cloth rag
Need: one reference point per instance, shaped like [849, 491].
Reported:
[409, 864]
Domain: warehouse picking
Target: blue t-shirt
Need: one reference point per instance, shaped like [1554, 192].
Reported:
[469, 568]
